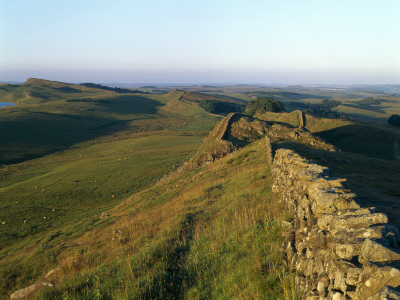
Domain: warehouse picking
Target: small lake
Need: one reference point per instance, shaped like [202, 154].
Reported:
[2, 104]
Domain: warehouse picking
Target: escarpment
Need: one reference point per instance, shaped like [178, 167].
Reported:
[338, 249]
[237, 130]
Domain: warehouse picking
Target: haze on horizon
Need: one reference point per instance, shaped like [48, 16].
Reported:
[218, 41]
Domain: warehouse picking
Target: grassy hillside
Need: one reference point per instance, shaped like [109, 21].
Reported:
[291, 119]
[65, 159]
[208, 232]
[35, 91]
[212, 232]
[67, 187]
[191, 97]
[87, 191]
[373, 140]
[30, 131]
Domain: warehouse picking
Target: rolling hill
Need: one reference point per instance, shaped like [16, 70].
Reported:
[138, 196]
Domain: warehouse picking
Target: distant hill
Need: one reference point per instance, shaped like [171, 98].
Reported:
[44, 82]
[35, 90]
[193, 97]
[211, 103]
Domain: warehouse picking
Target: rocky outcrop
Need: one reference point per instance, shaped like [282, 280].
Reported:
[232, 132]
[246, 129]
[215, 146]
[282, 133]
[338, 249]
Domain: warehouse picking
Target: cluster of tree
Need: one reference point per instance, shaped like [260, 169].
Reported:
[263, 105]
[88, 100]
[329, 104]
[370, 101]
[160, 91]
[323, 107]
[319, 109]
[67, 89]
[394, 120]
[220, 107]
[114, 89]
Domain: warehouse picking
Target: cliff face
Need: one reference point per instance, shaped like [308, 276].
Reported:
[337, 249]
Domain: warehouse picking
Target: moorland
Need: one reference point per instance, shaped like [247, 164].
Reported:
[94, 185]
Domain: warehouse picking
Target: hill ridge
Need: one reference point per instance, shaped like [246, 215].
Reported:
[38, 81]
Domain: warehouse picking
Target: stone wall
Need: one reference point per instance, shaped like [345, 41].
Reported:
[224, 126]
[302, 119]
[338, 249]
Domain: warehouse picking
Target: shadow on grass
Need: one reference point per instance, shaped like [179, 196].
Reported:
[131, 104]
[362, 139]
[33, 134]
[373, 108]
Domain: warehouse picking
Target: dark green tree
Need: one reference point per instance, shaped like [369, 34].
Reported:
[370, 101]
[394, 120]
[263, 105]
[328, 104]
[220, 107]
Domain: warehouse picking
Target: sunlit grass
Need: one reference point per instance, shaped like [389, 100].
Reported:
[104, 152]
[213, 234]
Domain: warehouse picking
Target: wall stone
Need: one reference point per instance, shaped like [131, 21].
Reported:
[302, 119]
[338, 249]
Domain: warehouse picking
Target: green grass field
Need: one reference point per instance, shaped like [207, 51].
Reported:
[208, 233]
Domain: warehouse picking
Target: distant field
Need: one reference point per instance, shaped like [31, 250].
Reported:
[314, 94]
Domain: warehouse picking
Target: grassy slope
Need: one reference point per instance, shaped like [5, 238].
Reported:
[355, 137]
[208, 233]
[33, 130]
[111, 145]
[105, 173]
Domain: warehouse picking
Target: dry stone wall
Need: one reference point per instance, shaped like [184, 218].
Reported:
[224, 127]
[302, 118]
[338, 249]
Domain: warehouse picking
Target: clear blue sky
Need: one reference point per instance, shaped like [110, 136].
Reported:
[209, 41]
